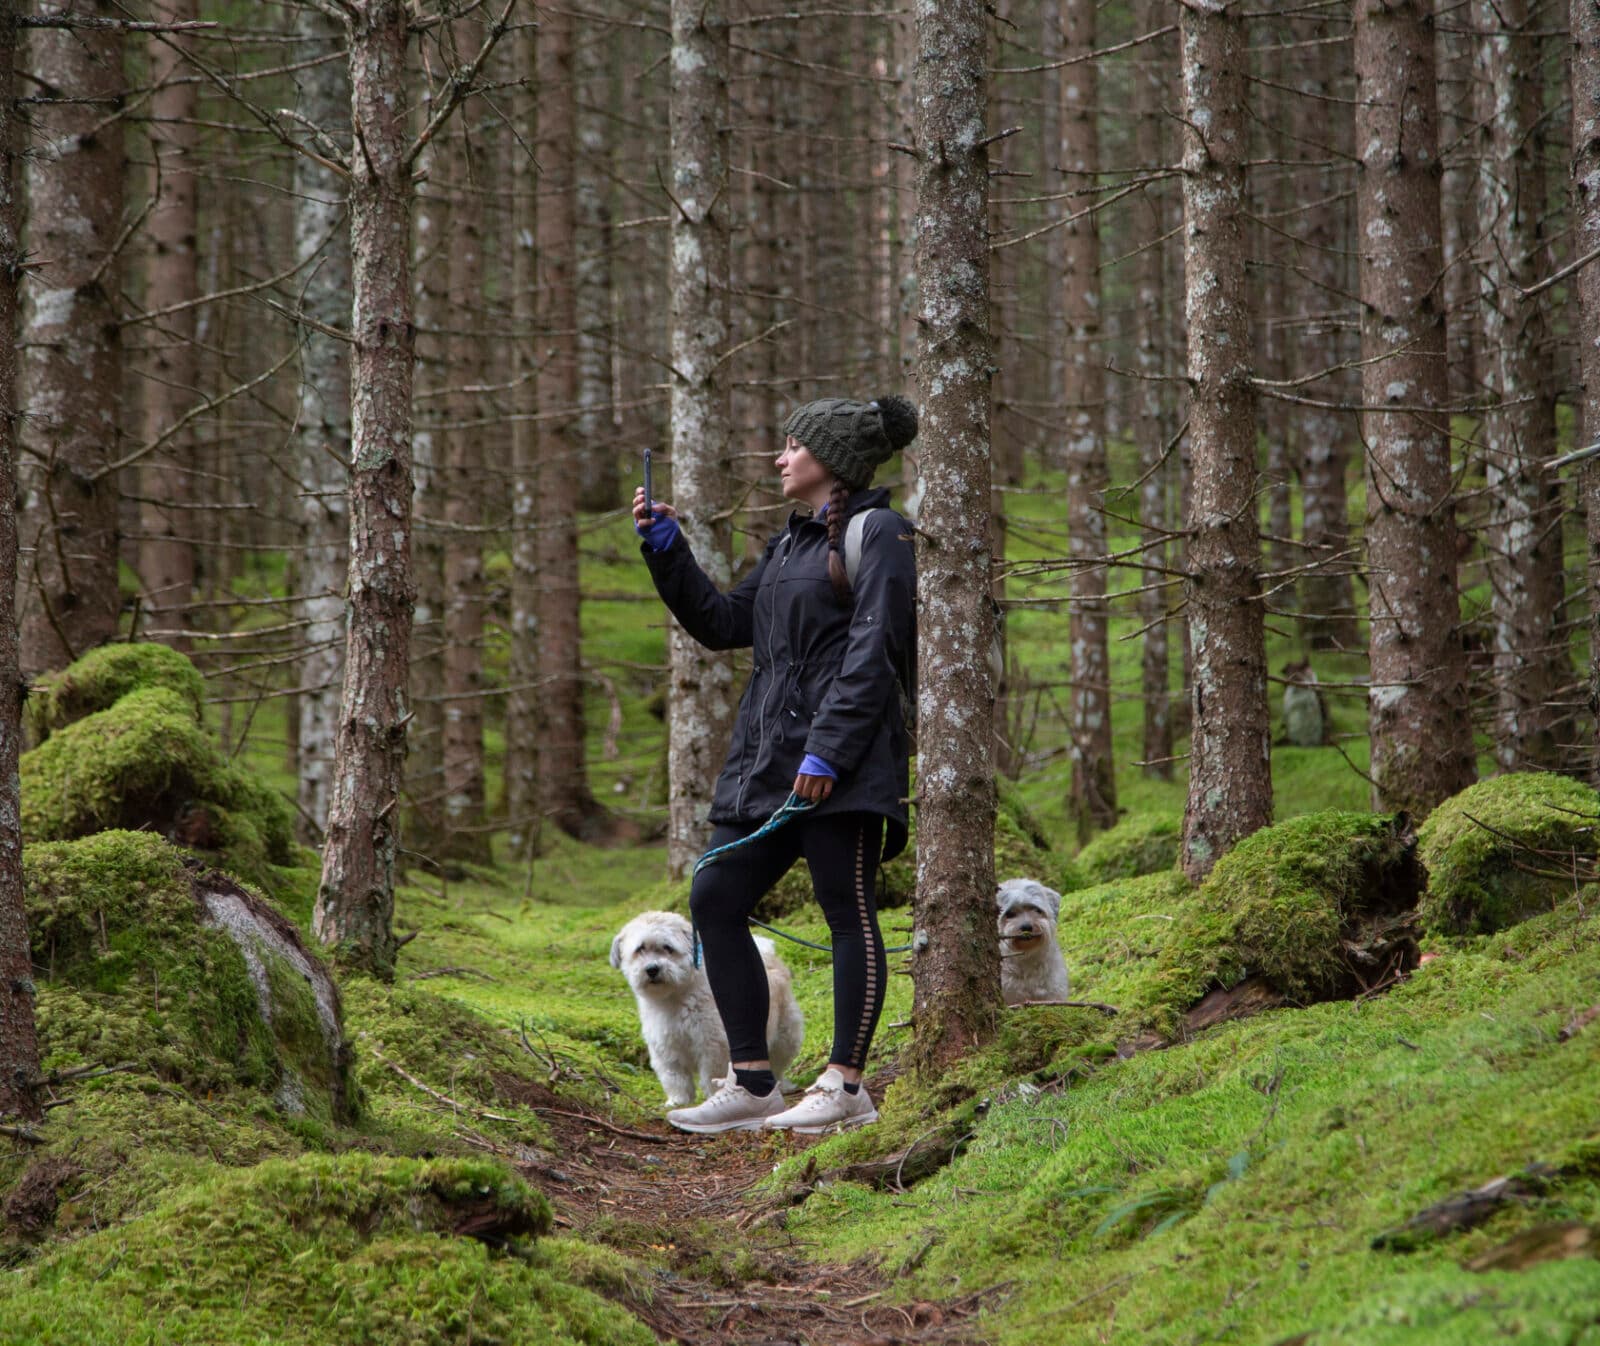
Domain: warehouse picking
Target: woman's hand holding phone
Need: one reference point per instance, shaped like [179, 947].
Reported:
[643, 515]
[656, 521]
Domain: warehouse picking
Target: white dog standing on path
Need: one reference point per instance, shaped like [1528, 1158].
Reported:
[1031, 963]
[677, 1015]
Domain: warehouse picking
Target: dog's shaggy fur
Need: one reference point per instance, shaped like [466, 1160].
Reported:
[1031, 965]
[677, 1015]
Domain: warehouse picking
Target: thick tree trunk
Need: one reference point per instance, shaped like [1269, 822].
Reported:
[563, 769]
[166, 544]
[1418, 713]
[701, 701]
[1524, 539]
[465, 836]
[956, 964]
[1585, 28]
[355, 902]
[19, 1041]
[1230, 776]
[322, 432]
[1094, 782]
[71, 376]
[522, 749]
[1153, 420]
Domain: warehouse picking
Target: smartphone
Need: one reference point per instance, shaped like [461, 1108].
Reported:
[649, 486]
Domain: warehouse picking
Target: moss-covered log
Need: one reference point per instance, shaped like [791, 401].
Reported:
[1316, 908]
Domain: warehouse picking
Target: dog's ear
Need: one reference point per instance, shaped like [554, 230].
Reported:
[1052, 900]
[616, 951]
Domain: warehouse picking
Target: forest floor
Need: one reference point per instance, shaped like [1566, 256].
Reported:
[1244, 1184]
[636, 1185]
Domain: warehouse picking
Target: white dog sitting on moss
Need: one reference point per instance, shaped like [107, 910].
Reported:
[1031, 963]
[677, 1015]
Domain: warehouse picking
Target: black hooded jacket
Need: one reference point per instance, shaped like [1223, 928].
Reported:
[826, 675]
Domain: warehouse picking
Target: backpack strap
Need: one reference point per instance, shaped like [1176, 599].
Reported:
[853, 532]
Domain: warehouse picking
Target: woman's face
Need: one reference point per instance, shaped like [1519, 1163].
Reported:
[802, 476]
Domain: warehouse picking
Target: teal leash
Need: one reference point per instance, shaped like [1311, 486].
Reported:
[787, 811]
[792, 807]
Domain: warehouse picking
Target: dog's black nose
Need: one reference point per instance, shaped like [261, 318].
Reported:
[653, 970]
[1026, 928]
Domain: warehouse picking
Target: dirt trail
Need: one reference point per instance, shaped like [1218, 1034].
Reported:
[650, 1190]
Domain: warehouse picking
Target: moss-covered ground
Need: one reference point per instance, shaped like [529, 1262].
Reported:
[1224, 1188]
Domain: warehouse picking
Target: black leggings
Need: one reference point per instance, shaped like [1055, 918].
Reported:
[841, 850]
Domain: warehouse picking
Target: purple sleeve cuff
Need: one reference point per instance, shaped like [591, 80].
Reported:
[660, 534]
[815, 766]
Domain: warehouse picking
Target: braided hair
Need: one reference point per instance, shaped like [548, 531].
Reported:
[897, 427]
[838, 575]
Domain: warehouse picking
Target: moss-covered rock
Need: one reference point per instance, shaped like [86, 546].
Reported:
[103, 677]
[1285, 905]
[1506, 849]
[146, 762]
[145, 959]
[352, 1248]
[1145, 843]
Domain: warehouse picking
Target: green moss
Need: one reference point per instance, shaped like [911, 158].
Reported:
[1228, 1188]
[1505, 849]
[449, 1048]
[103, 677]
[354, 1247]
[1145, 843]
[129, 971]
[146, 762]
[1278, 904]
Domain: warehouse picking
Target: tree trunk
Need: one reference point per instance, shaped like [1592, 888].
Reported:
[601, 488]
[701, 703]
[1418, 711]
[322, 432]
[72, 348]
[431, 250]
[1327, 593]
[166, 544]
[355, 902]
[1153, 420]
[1585, 28]
[563, 768]
[522, 748]
[1274, 302]
[465, 836]
[1230, 775]
[955, 966]
[19, 1041]
[1524, 535]
[1458, 206]
[1094, 783]
[904, 253]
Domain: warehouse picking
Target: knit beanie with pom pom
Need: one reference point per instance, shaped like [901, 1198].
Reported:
[851, 438]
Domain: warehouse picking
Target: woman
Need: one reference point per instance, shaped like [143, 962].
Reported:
[821, 717]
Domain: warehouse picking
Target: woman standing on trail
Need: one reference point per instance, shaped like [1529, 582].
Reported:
[828, 612]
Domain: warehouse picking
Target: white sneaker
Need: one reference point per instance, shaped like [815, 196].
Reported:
[826, 1107]
[731, 1108]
